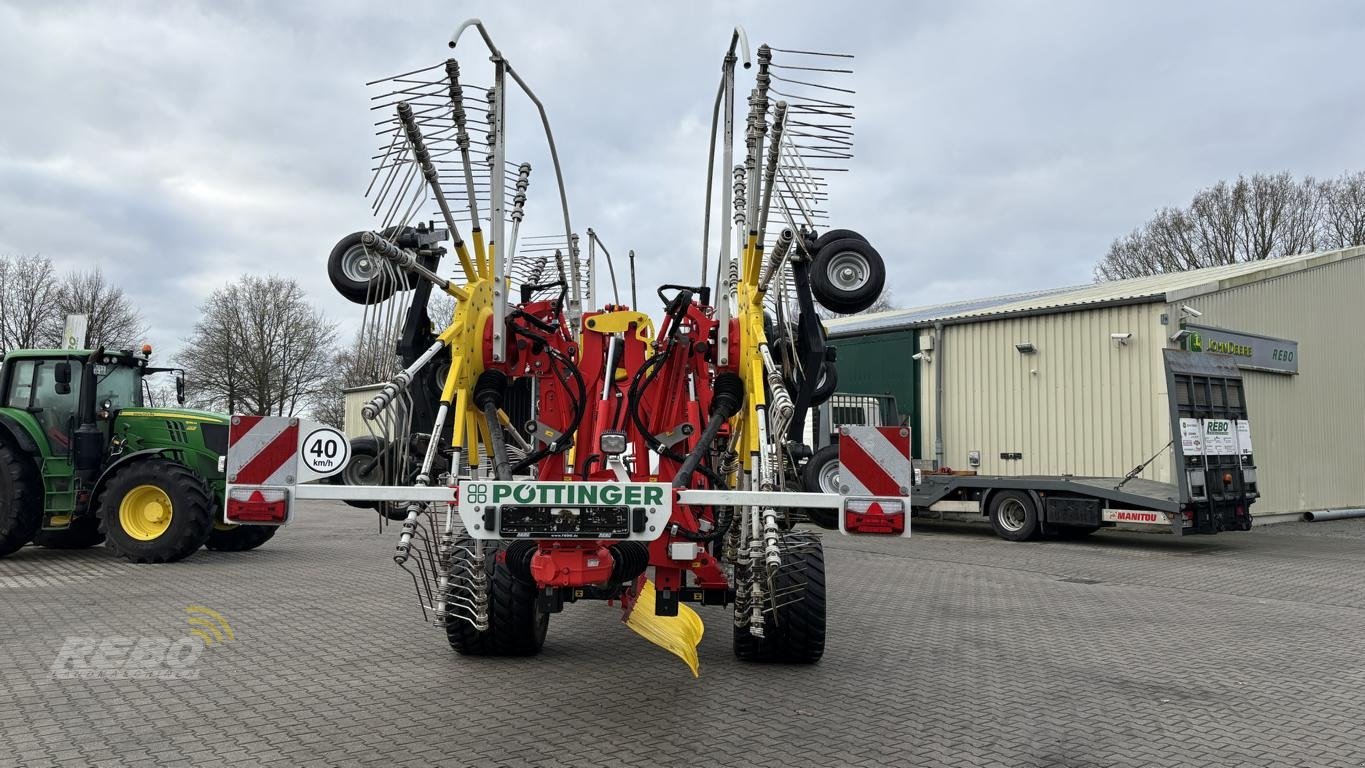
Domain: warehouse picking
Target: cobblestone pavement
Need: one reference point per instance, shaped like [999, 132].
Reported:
[953, 648]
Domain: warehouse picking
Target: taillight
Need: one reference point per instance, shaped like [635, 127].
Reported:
[268, 506]
[883, 517]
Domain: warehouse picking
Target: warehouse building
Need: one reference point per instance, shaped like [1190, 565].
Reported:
[1074, 380]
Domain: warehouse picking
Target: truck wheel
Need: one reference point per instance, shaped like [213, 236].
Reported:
[847, 276]
[794, 632]
[238, 538]
[1014, 516]
[83, 533]
[516, 625]
[21, 501]
[821, 475]
[156, 511]
[353, 270]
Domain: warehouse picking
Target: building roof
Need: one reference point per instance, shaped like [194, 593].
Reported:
[1171, 287]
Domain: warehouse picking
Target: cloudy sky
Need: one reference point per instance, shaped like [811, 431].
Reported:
[1001, 145]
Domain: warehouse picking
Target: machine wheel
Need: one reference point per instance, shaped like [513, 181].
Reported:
[795, 632]
[362, 469]
[516, 625]
[832, 235]
[826, 384]
[847, 276]
[156, 511]
[353, 270]
[21, 501]
[1014, 516]
[238, 538]
[83, 533]
[821, 475]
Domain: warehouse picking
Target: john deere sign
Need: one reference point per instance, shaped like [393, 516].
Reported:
[1257, 353]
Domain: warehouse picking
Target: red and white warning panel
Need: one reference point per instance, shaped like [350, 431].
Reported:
[268, 456]
[875, 477]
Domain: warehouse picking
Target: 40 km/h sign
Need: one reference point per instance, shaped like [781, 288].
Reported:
[325, 451]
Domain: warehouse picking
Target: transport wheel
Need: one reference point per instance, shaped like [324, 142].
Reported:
[821, 475]
[353, 269]
[156, 511]
[835, 234]
[847, 276]
[794, 632]
[21, 501]
[1014, 516]
[227, 537]
[83, 533]
[516, 625]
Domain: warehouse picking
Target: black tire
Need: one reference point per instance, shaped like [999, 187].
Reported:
[1014, 516]
[516, 625]
[192, 511]
[21, 501]
[239, 538]
[847, 276]
[362, 469]
[820, 475]
[826, 384]
[832, 235]
[354, 272]
[794, 633]
[83, 533]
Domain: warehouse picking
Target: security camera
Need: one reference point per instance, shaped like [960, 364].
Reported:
[1181, 335]
[1191, 311]
[919, 356]
[1121, 338]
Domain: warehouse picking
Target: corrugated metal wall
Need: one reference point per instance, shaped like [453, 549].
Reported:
[1308, 429]
[1081, 403]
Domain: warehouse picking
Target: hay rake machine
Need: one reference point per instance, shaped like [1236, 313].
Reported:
[540, 448]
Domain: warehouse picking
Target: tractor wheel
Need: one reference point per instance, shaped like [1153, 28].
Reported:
[357, 274]
[238, 538]
[821, 475]
[21, 501]
[156, 511]
[794, 632]
[516, 625]
[847, 276]
[83, 533]
[1014, 516]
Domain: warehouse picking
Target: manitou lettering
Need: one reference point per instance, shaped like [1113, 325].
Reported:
[1138, 517]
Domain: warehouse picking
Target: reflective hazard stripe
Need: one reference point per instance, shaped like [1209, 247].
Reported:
[262, 449]
[875, 461]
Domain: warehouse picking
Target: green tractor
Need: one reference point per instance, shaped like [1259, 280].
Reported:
[83, 460]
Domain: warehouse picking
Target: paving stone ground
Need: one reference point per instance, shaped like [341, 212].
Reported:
[951, 649]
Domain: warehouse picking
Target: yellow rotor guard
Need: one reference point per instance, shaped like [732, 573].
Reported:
[679, 635]
[145, 512]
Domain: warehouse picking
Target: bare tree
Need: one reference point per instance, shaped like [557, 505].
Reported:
[29, 312]
[1261, 217]
[259, 348]
[111, 320]
[1343, 204]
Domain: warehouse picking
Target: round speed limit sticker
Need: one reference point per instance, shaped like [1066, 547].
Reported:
[325, 451]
